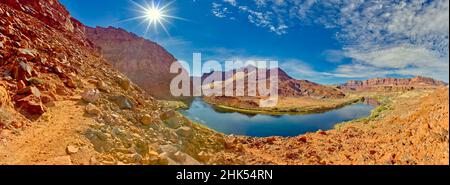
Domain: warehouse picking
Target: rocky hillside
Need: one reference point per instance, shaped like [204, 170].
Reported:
[414, 131]
[288, 86]
[146, 63]
[63, 103]
[392, 84]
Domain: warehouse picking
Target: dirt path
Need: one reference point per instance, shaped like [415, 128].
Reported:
[46, 141]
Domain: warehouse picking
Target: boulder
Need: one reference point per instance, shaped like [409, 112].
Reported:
[123, 102]
[169, 149]
[71, 149]
[93, 110]
[164, 159]
[22, 71]
[91, 95]
[102, 86]
[174, 123]
[146, 120]
[168, 114]
[123, 82]
[204, 156]
[171, 119]
[184, 159]
[70, 83]
[35, 91]
[152, 158]
[184, 131]
[31, 105]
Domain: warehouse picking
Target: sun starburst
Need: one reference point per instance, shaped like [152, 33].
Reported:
[154, 14]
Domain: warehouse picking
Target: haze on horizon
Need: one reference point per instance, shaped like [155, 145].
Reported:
[328, 41]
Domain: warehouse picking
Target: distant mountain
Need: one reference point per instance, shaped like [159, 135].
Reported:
[392, 83]
[145, 62]
[287, 86]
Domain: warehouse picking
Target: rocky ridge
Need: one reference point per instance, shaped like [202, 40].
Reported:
[287, 86]
[392, 84]
[48, 65]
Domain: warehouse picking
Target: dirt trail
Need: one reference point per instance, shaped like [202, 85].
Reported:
[45, 141]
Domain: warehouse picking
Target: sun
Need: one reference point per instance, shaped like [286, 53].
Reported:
[154, 15]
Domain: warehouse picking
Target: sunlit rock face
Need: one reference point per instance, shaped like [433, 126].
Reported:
[392, 84]
[53, 14]
[287, 86]
[143, 61]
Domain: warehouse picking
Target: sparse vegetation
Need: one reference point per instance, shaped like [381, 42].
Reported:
[36, 81]
[174, 104]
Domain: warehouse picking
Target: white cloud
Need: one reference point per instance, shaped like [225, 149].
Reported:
[399, 57]
[404, 60]
[334, 56]
[382, 37]
[232, 2]
[219, 11]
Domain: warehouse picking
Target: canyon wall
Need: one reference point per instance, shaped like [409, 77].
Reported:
[145, 62]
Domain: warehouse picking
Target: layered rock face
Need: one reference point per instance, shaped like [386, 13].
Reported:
[392, 83]
[146, 63]
[287, 86]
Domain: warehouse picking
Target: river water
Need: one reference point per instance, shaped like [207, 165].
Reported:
[260, 125]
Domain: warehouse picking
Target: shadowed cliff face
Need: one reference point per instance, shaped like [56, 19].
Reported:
[144, 62]
[392, 84]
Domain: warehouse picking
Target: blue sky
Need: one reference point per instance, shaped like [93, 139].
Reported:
[327, 41]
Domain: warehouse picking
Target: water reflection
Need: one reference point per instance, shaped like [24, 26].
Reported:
[259, 125]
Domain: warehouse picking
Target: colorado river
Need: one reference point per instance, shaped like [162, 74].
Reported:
[266, 125]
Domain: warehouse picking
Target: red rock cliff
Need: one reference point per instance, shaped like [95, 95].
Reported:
[398, 83]
[143, 61]
[53, 14]
[288, 86]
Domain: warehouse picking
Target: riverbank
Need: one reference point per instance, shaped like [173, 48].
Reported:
[285, 106]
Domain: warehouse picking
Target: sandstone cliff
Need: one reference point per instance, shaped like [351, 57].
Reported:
[392, 84]
[145, 62]
[287, 86]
